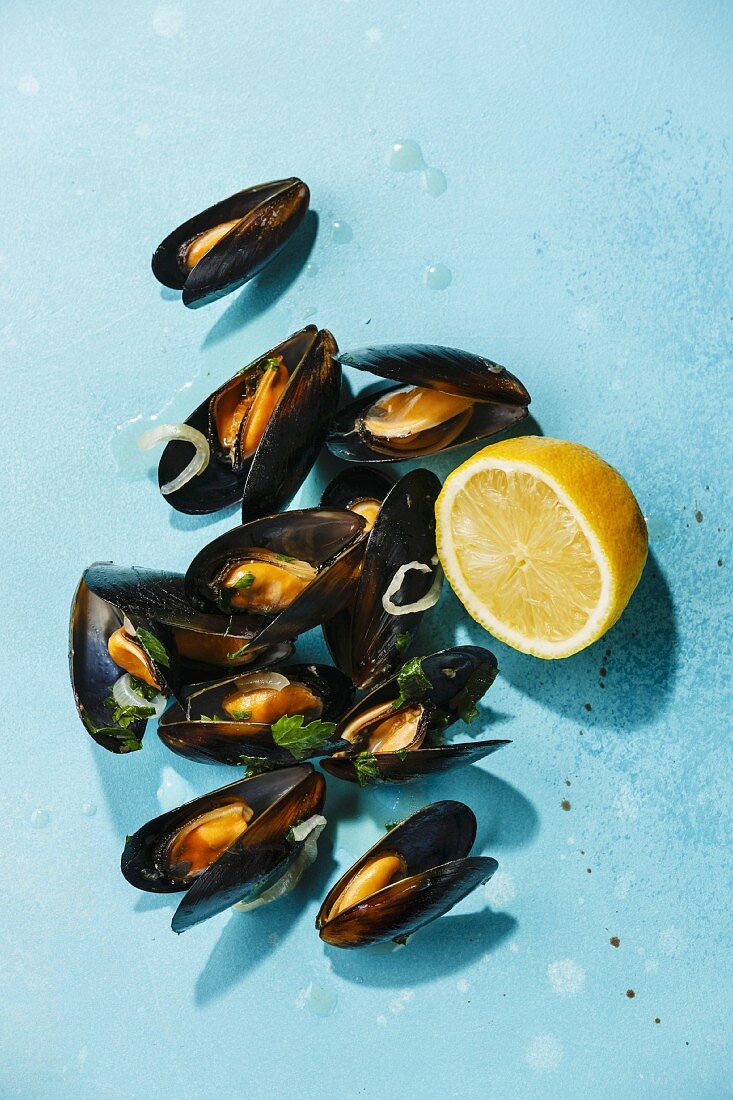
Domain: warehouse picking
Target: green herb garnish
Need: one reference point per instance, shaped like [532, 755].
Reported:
[145, 691]
[291, 733]
[412, 682]
[238, 652]
[464, 703]
[401, 753]
[153, 647]
[123, 717]
[390, 825]
[285, 557]
[272, 364]
[245, 581]
[206, 718]
[401, 642]
[240, 715]
[257, 765]
[366, 768]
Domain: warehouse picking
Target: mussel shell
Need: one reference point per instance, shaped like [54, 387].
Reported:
[416, 763]
[347, 441]
[449, 370]
[435, 843]
[354, 484]
[314, 376]
[271, 213]
[199, 672]
[404, 531]
[253, 862]
[330, 540]
[210, 742]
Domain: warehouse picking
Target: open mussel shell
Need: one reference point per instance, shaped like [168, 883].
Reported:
[366, 639]
[272, 805]
[484, 398]
[437, 872]
[438, 690]
[267, 477]
[226, 245]
[326, 540]
[201, 729]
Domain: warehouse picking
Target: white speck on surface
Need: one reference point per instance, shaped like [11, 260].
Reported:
[143, 130]
[500, 889]
[374, 34]
[462, 986]
[341, 232]
[671, 942]
[581, 901]
[399, 1003]
[651, 966]
[89, 809]
[622, 887]
[174, 790]
[311, 270]
[586, 318]
[571, 841]
[167, 21]
[437, 277]
[82, 1055]
[28, 85]
[544, 1054]
[273, 939]
[405, 156]
[308, 312]
[566, 977]
[627, 803]
[319, 997]
[434, 182]
[40, 819]
[382, 1021]
[514, 948]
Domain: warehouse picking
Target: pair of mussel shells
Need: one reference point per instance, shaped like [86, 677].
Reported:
[248, 843]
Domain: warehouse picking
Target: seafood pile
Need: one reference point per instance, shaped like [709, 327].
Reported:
[210, 653]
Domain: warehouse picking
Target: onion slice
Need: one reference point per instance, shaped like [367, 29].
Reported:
[163, 433]
[430, 598]
[309, 831]
[251, 681]
[125, 695]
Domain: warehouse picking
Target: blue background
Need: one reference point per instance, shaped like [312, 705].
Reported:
[586, 223]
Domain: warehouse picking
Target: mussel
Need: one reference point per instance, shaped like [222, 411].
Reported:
[264, 428]
[241, 843]
[262, 719]
[442, 398]
[395, 732]
[276, 577]
[224, 246]
[415, 873]
[399, 578]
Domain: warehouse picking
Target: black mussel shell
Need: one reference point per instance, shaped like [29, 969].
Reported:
[354, 484]
[366, 640]
[197, 670]
[348, 441]
[449, 684]
[270, 213]
[252, 863]
[267, 480]
[329, 540]
[226, 741]
[450, 370]
[435, 843]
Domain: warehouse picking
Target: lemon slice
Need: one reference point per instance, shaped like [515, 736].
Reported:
[542, 541]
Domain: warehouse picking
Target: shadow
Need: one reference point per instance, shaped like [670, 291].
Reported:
[448, 945]
[170, 295]
[259, 295]
[638, 656]
[182, 521]
[148, 902]
[248, 938]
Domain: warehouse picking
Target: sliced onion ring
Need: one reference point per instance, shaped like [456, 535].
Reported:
[309, 831]
[125, 695]
[275, 681]
[163, 433]
[430, 598]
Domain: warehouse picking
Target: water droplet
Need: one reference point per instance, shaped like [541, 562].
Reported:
[438, 276]
[308, 312]
[434, 181]
[405, 156]
[341, 233]
[372, 131]
[89, 809]
[40, 819]
[173, 789]
[311, 270]
[321, 998]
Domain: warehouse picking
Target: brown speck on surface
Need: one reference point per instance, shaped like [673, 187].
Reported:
[567, 782]
[657, 1020]
[601, 684]
[565, 804]
[615, 941]
[603, 671]
[587, 706]
[589, 870]
[582, 852]
[630, 993]
[607, 654]
[720, 561]
[699, 516]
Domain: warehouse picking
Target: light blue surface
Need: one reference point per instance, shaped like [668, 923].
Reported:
[586, 224]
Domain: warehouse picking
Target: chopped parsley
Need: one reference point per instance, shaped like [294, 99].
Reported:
[390, 825]
[153, 647]
[366, 768]
[240, 715]
[145, 691]
[290, 732]
[238, 652]
[206, 718]
[245, 581]
[412, 682]
[401, 642]
[285, 557]
[464, 703]
[402, 753]
[123, 717]
[257, 765]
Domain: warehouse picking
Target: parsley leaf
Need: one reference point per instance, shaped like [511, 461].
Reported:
[245, 581]
[153, 647]
[401, 753]
[257, 765]
[412, 682]
[284, 557]
[240, 715]
[123, 717]
[238, 652]
[476, 687]
[401, 642]
[145, 691]
[390, 825]
[206, 718]
[366, 768]
[291, 733]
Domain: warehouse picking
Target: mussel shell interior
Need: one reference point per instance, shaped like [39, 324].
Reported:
[354, 484]
[348, 441]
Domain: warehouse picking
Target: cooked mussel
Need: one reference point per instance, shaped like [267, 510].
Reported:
[415, 873]
[224, 246]
[264, 428]
[236, 844]
[396, 732]
[399, 577]
[274, 578]
[267, 718]
[442, 398]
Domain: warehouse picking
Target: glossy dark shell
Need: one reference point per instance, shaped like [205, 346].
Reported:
[217, 742]
[363, 640]
[251, 864]
[354, 484]
[267, 480]
[450, 370]
[435, 843]
[417, 762]
[271, 213]
[330, 540]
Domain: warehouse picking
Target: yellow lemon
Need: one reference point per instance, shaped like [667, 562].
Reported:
[542, 541]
